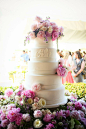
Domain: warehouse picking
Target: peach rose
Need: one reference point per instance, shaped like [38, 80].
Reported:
[41, 34]
[34, 27]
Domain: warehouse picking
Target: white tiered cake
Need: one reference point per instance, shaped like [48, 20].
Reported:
[42, 69]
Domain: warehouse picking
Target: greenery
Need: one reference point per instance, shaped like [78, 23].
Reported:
[78, 88]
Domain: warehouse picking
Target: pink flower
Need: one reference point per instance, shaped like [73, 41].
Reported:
[36, 99]
[61, 29]
[38, 19]
[46, 23]
[21, 87]
[3, 116]
[4, 123]
[26, 117]
[54, 35]
[55, 28]
[61, 71]
[34, 27]
[9, 92]
[52, 23]
[10, 106]
[41, 34]
[32, 35]
[81, 113]
[11, 126]
[28, 94]
[49, 126]
[78, 106]
[36, 87]
[37, 113]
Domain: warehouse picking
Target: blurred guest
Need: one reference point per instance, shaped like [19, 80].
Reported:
[68, 78]
[78, 67]
[25, 56]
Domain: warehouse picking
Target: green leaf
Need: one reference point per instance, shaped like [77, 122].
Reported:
[72, 123]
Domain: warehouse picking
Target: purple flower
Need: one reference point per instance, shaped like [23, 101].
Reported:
[4, 123]
[78, 106]
[75, 114]
[48, 117]
[49, 126]
[11, 126]
[81, 113]
[83, 120]
[59, 114]
[48, 34]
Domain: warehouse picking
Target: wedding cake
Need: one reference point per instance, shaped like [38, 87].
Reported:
[42, 71]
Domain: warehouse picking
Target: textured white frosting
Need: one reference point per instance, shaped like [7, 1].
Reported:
[43, 54]
[42, 67]
[37, 42]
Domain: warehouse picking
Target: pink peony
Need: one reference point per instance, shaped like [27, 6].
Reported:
[28, 94]
[3, 116]
[21, 87]
[55, 35]
[49, 126]
[38, 19]
[36, 87]
[26, 117]
[34, 27]
[32, 35]
[11, 126]
[46, 23]
[9, 92]
[61, 71]
[52, 23]
[37, 113]
[41, 34]
[4, 123]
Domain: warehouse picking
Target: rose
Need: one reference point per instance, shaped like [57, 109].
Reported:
[38, 19]
[32, 35]
[21, 87]
[37, 113]
[34, 27]
[55, 28]
[26, 117]
[36, 87]
[43, 28]
[37, 123]
[54, 35]
[61, 71]
[41, 34]
[30, 101]
[42, 102]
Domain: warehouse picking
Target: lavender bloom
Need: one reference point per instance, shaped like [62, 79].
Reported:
[75, 114]
[83, 120]
[49, 126]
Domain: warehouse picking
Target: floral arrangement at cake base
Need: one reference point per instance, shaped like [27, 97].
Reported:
[22, 109]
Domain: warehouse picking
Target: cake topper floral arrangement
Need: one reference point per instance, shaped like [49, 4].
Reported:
[44, 29]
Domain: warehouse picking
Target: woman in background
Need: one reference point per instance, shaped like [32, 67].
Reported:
[78, 67]
[67, 63]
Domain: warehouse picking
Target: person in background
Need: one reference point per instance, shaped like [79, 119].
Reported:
[68, 78]
[70, 58]
[25, 56]
[78, 67]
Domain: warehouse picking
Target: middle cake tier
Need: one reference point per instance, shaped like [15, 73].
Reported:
[42, 68]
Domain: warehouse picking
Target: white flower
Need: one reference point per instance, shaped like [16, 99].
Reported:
[43, 28]
[37, 123]
[30, 101]
[69, 103]
[17, 98]
[50, 29]
[42, 102]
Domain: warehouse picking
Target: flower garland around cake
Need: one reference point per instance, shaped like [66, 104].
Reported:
[44, 29]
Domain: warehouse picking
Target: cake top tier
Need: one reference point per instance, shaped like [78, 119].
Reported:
[44, 29]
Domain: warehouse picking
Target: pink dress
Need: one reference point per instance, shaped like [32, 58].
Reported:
[68, 78]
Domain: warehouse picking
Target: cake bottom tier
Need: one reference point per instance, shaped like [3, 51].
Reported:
[52, 89]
